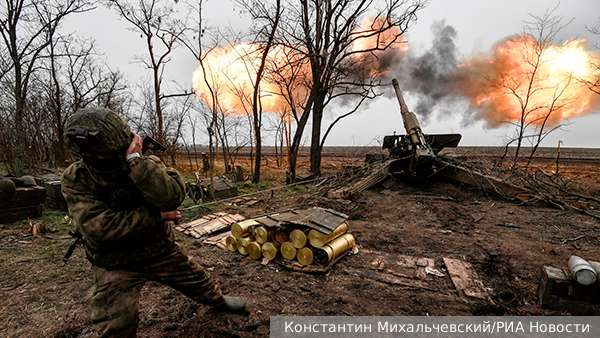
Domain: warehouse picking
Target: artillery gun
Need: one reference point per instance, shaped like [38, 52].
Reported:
[415, 153]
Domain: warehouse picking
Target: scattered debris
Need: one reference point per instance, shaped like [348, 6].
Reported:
[435, 272]
[388, 278]
[508, 225]
[565, 240]
[397, 269]
[37, 228]
[478, 217]
[460, 173]
[556, 191]
[245, 202]
[465, 279]
[379, 174]
[432, 197]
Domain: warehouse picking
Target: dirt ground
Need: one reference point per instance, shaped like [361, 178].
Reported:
[42, 297]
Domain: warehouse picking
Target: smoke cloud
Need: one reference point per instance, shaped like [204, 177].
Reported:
[431, 77]
[485, 87]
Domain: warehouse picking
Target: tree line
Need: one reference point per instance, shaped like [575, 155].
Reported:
[325, 52]
[46, 75]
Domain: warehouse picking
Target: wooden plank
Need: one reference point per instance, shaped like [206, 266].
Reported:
[217, 238]
[465, 279]
[209, 224]
[399, 265]
[250, 203]
[200, 221]
[222, 223]
[312, 269]
[389, 278]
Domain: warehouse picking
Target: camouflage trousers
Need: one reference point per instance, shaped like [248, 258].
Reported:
[116, 295]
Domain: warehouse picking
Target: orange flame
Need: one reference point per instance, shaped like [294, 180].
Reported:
[231, 70]
[525, 78]
[370, 35]
[230, 73]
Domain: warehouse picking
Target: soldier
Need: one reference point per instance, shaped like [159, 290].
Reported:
[121, 202]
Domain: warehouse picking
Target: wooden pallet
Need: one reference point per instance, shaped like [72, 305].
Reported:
[312, 269]
[209, 224]
[465, 279]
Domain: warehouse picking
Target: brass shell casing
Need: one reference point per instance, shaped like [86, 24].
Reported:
[242, 245]
[231, 243]
[305, 255]
[334, 249]
[298, 238]
[280, 236]
[270, 250]
[254, 250]
[263, 235]
[241, 229]
[288, 251]
[318, 239]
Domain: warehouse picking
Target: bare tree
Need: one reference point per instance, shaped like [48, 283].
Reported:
[27, 28]
[75, 77]
[328, 35]
[192, 40]
[288, 72]
[593, 83]
[536, 93]
[267, 18]
[159, 23]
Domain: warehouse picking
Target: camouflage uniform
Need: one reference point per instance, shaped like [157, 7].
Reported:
[127, 241]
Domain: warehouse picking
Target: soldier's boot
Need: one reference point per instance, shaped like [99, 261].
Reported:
[231, 304]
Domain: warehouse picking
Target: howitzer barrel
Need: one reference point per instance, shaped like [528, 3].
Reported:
[403, 106]
[411, 124]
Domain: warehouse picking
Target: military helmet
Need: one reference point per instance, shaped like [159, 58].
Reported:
[97, 130]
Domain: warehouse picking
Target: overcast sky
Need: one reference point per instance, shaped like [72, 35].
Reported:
[479, 25]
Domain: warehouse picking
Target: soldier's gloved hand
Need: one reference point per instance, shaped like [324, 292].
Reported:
[174, 215]
[135, 146]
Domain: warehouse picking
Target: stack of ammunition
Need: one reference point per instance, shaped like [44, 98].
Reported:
[302, 243]
[20, 198]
